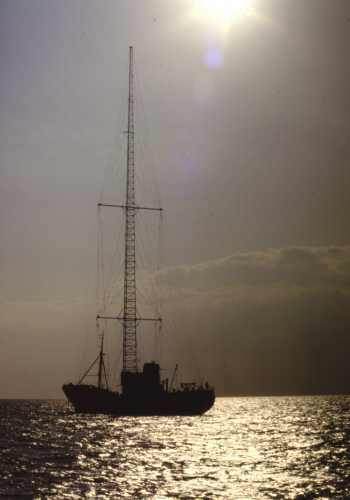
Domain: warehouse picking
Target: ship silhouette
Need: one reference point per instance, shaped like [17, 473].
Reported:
[142, 392]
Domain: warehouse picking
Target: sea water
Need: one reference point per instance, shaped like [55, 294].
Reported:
[251, 448]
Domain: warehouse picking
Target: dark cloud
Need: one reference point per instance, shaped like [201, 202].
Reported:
[286, 267]
[267, 322]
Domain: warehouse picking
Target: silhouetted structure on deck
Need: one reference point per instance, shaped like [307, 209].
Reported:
[143, 393]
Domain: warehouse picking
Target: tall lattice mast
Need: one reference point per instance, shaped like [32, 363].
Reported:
[129, 316]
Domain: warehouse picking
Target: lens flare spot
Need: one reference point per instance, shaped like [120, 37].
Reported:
[213, 58]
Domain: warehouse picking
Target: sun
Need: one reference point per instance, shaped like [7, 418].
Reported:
[221, 12]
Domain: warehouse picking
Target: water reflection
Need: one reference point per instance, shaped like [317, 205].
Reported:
[243, 448]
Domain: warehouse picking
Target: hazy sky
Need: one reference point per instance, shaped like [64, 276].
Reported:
[247, 133]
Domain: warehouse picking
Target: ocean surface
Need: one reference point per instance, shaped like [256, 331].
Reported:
[251, 448]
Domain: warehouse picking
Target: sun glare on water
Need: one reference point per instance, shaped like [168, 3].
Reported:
[221, 12]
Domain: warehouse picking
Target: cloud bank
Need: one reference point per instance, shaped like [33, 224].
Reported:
[269, 322]
[305, 267]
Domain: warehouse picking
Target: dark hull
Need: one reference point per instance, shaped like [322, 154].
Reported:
[90, 399]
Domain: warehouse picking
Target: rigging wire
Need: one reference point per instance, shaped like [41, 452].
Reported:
[148, 239]
[100, 264]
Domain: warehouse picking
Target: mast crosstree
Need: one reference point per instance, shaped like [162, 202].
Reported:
[129, 318]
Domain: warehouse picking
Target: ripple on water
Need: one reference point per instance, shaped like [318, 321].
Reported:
[285, 447]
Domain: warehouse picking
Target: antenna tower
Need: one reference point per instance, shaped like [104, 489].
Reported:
[129, 316]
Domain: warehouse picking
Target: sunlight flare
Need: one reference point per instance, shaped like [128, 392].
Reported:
[221, 12]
